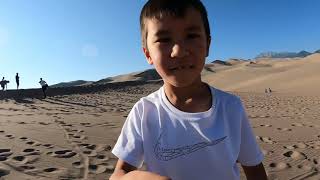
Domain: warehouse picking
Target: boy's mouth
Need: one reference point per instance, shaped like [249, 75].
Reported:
[182, 67]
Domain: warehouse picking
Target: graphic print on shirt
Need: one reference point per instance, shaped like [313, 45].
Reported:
[167, 154]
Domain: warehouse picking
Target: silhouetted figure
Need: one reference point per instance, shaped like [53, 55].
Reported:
[3, 83]
[17, 80]
[270, 91]
[44, 86]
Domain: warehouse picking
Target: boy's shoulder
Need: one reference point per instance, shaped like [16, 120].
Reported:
[225, 96]
[153, 98]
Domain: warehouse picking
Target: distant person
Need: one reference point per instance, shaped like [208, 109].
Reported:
[270, 91]
[44, 86]
[3, 83]
[17, 80]
[187, 129]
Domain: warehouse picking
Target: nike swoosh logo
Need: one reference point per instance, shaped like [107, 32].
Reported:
[166, 154]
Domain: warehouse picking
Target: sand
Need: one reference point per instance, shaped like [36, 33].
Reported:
[70, 134]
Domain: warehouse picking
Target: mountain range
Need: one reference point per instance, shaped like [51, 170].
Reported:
[213, 67]
[285, 54]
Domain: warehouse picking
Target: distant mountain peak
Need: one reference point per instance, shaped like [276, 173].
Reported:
[272, 54]
[221, 62]
[71, 83]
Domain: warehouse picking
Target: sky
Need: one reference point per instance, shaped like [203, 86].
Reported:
[68, 40]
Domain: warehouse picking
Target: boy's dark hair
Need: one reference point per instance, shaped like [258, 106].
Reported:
[177, 8]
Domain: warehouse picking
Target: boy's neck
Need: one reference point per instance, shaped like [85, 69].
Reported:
[193, 98]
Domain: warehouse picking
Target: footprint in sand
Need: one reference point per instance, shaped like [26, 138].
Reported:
[284, 129]
[62, 153]
[10, 136]
[88, 146]
[44, 123]
[23, 138]
[297, 125]
[30, 142]
[3, 158]
[77, 164]
[26, 159]
[19, 158]
[301, 125]
[316, 161]
[4, 154]
[306, 167]
[86, 124]
[295, 146]
[48, 146]
[30, 151]
[102, 157]
[4, 172]
[266, 125]
[90, 153]
[296, 155]
[75, 130]
[267, 140]
[100, 168]
[50, 170]
[67, 125]
[91, 146]
[82, 137]
[59, 122]
[27, 167]
[108, 148]
[280, 165]
[315, 147]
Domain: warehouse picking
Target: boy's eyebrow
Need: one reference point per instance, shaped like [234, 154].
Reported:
[193, 28]
[162, 33]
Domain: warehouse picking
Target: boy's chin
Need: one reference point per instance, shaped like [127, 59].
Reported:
[183, 83]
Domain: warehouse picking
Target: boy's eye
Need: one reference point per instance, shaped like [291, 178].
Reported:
[193, 36]
[163, 40]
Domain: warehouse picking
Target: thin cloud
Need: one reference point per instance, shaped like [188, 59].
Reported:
[89, 50]
[4, 37]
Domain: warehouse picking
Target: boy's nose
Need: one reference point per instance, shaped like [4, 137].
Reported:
[179, 51]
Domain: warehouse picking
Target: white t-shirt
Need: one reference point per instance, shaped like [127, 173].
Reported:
[189, 146]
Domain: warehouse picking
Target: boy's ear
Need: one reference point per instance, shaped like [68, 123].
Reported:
[147, 55]
[208, 45]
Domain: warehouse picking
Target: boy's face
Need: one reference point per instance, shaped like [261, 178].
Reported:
[177, 47]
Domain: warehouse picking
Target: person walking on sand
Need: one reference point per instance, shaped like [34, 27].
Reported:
[44, 86]
[17, 80]
[3, 83]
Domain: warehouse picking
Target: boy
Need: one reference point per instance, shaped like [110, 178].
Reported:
[186, 130]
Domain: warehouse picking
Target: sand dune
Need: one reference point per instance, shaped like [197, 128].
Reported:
[70, 134]
[281, 75]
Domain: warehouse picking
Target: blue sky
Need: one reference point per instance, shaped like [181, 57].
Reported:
[93, 39]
